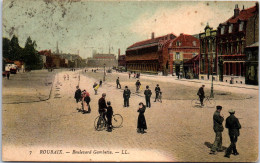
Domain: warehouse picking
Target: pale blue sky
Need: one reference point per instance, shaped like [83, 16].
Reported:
[88, 25]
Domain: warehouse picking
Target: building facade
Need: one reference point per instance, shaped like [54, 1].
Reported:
[192, 67]
[231, 44]
[99, 60]
[252, 49]
[151, 56]
[208, 56]
[182, 49]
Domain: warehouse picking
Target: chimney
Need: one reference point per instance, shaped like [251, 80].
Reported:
[118, 53]
[152, 37]
[236, 11]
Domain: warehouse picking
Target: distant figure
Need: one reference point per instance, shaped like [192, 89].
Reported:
[95, 88]
[85, 70]
[201, 94]
[148, 94]
[218, 129]
[118, 85]
[141, 122]
[129, 74]
[126, 96]
[68, 77]
[137, 84]
[233, 125]
[64, 77]
[92, 70]
[157, 91]
[100, 83]
[109, 115]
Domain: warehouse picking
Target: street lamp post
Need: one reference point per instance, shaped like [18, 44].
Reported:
[211, 91]
[104, 78]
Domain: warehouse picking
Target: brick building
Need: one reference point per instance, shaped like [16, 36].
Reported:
[182, 49]
[150, 55]
[208, 56]
[231, 43]
[252, 49]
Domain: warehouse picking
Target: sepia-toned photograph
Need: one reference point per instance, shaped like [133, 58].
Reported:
[128, 81]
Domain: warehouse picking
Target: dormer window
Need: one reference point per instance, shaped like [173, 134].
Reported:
[194, 43]
[178, 43]
[222, 30]
[230, 29]
[241, 26]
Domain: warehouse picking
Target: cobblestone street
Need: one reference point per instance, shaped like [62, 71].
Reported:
[176, 130]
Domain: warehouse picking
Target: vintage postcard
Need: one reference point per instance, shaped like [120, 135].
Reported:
[171, 81]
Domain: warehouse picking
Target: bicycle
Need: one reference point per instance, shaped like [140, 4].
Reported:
[209, 102]
[100, 123]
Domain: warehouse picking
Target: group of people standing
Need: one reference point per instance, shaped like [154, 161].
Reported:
[82, 98]
[233, 126]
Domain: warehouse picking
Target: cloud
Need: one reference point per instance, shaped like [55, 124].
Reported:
[184, 19]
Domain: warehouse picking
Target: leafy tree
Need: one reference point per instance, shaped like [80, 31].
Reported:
[15, 49]
[6, 48]
[30, 55]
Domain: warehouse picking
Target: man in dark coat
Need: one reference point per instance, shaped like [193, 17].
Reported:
[201, 94]
[77, 95]
[102, 106]
[87, 100]
[157, 91]
[148, 94]
[218, 129]
[118, 83]
[233, 126]
[109, 115]
[137, 84]
[126, 96]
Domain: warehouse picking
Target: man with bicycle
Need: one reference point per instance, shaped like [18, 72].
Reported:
[201, 94]
[102, 106]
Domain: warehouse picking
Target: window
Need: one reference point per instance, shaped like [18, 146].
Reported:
[222, 30]
[241, 25]
[177, 55]
[230, 28]
[194, 43]
[178, 43]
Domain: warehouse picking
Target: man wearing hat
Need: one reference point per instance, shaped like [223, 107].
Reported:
[157, 91]
[218, 129]
[118, 85]
[233, 126]
[148, 94]
[126, 96]
[201, 94]
[102, 106]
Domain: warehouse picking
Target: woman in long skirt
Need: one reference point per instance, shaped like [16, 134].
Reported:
[141, 123]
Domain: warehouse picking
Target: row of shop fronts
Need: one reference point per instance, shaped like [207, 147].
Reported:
[228, 53]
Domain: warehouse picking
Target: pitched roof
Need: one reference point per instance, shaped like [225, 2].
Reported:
[243, 15]
[150, 42]
[195, 58]
[185, 40]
